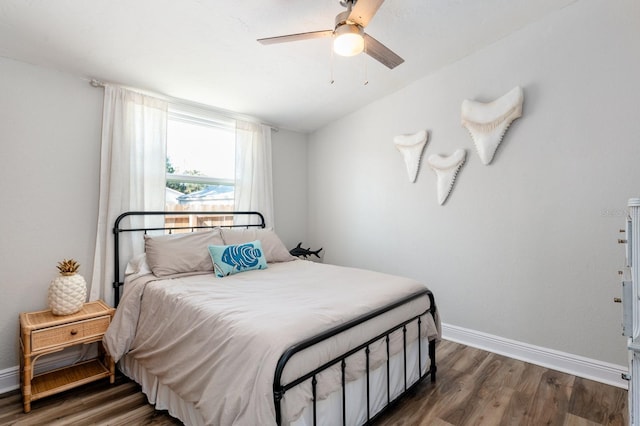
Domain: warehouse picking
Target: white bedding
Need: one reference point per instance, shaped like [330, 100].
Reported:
[215, 341]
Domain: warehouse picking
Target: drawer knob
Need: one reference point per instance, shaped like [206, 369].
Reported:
[74, 332]
[617, 300]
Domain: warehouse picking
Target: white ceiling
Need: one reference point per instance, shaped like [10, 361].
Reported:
[205, 51]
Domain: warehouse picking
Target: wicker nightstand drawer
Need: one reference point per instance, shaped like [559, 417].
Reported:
[64, 334]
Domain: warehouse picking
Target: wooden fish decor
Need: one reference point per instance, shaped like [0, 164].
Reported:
[298, 251]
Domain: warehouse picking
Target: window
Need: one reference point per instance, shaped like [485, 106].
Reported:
[200, 165]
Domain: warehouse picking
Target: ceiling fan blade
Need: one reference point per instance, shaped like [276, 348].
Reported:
[363, 11]
[381, 53]
[296, 37]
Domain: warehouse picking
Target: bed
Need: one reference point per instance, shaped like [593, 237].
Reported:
[261, 337]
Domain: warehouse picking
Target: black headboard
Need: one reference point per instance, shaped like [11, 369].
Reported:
[252, 219]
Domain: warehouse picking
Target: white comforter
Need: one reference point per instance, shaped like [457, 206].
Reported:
[215, 341]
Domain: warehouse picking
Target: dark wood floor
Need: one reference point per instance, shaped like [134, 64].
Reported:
[474, 387]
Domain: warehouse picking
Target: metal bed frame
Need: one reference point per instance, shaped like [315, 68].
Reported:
[279, 388]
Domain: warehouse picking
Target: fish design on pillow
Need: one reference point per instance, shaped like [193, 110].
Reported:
[241, 256]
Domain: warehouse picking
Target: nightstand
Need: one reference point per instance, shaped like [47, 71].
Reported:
[42, 333]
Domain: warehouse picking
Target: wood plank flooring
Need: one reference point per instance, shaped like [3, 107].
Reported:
[474, 387]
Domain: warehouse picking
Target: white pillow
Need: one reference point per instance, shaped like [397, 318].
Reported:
[137, 266]
[181, 253]
[273, 248]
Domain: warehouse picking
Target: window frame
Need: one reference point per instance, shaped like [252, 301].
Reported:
[198, 117]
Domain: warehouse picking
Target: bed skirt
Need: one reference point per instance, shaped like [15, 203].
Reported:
[329, 410]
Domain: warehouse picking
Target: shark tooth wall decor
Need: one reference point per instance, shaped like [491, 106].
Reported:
[488, 122]
[446, 169]
[412, 147]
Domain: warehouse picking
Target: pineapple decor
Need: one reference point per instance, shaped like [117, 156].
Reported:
[68, 292]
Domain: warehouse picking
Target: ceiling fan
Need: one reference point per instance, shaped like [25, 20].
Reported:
[349, 38]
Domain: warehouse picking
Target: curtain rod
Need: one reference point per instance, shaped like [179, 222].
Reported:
[228, 114]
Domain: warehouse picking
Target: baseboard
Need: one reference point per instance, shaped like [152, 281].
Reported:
[599, 371]
[576, 365]
[10, 377]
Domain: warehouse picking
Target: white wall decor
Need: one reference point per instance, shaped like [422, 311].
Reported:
[488, 122]
[446, 169]
[412, 147]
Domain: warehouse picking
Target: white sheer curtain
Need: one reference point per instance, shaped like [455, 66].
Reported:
[132, 174]
[253, 182]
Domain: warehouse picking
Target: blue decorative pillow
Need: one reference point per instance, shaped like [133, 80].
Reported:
[229, 260]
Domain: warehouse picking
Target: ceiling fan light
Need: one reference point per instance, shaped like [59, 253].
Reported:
[348, 40]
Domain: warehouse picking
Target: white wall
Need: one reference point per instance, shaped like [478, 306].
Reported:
[50, 156]
[290, 186]
[50, 125]
[524, 248]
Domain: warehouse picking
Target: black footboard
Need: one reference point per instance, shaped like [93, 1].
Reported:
[279, 388]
